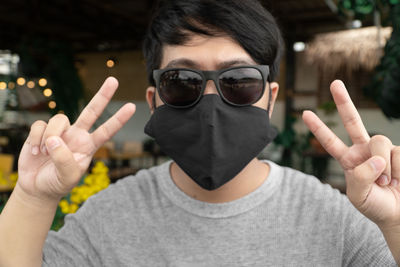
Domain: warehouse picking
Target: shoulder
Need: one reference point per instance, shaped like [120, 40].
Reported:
[305, 192]
[304, 184]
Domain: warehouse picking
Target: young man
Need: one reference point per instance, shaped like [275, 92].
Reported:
[211, 65]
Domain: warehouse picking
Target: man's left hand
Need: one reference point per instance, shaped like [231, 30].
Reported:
[371, 165]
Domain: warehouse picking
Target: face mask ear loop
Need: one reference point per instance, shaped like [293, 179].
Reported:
[154, 101]
[270, 95]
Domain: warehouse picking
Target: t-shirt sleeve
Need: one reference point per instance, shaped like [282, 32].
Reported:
[364, 244]
[78, 242]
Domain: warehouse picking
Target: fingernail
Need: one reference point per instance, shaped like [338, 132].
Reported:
[35, 150]
[383, 179]
[394, 182]
[53, 143]
[43, 149]
[377, 164]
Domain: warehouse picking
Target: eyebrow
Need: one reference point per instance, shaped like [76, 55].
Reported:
[234, 62]
[188, 63]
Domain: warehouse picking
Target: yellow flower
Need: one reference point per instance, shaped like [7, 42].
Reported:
[94, 182]
[74, 190]
[73, 208]
[100, 167]
[89, 179]
[96, 188]
[85, 196]
[2, 178]
[76, 198]
[14, 177]
[63, 203]
[65, 209]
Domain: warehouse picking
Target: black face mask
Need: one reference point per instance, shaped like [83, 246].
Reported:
[211, 141]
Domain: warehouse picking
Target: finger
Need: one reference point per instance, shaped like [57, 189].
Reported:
[97, 105]
[380, 145]
[35, 136]
[360, 181]
[395, 166]
[57, 125]
[348, 113]
[113, 125]
[67, 168]
[332, 144]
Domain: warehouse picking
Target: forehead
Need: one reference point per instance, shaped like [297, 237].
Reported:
[208, 52]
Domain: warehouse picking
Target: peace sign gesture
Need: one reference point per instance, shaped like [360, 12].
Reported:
[56, 154]
[371, 165]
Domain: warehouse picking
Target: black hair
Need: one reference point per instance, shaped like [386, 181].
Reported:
[245, 21]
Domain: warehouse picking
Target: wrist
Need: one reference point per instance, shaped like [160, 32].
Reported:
[35, 202]
[392, 237]
[392, 229]
[24, 224]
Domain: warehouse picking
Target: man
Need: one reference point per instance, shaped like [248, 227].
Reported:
[211, 67]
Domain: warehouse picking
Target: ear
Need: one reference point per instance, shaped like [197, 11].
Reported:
[150, 94]
[274, 87]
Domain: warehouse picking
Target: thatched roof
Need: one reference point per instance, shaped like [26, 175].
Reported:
[348, 50]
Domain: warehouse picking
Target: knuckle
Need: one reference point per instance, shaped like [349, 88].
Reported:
[59, 118]
[346, 162]
[119, 122]
[351, 121]
[330, 142]
[38, 124]
[36, 133]
[396, 150]
[316, 129]
[396, 162]
[380, 139]
[360, 139]
[92, 111]
[106, 132]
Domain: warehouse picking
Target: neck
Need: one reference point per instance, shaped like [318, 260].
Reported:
[248, 180]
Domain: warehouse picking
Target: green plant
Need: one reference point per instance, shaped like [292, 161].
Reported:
[55, 61]
[385, 84]
[293, 143]
[329, 109]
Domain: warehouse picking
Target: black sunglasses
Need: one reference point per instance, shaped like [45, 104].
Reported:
[238, 86]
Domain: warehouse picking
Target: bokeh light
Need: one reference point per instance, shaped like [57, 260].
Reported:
[42, 82]
[110, 63]
[3, 85]
[21, 81]
[30, 84]
[52, 104]
[47, 92]
[11, 85]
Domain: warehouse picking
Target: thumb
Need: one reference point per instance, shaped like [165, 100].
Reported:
[361, 179]
[68, 170]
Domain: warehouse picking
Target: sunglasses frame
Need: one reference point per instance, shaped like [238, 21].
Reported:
[212, 75]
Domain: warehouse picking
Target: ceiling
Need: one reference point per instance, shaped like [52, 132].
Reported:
[100, 25]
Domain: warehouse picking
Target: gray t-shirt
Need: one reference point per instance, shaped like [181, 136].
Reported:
[292, 219]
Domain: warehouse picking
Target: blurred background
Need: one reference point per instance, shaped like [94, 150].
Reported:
[54, 55]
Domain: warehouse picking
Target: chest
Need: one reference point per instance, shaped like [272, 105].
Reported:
[242, 241]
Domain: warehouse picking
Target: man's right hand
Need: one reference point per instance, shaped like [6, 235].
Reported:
[56, 154]
[51, 163]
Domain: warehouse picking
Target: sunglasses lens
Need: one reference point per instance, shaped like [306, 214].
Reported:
[180, 87]
[241, 86]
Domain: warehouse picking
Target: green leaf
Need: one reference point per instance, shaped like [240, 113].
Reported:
[347, 4]
[364, 7]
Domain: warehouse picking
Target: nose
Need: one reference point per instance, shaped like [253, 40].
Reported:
[210, 88]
